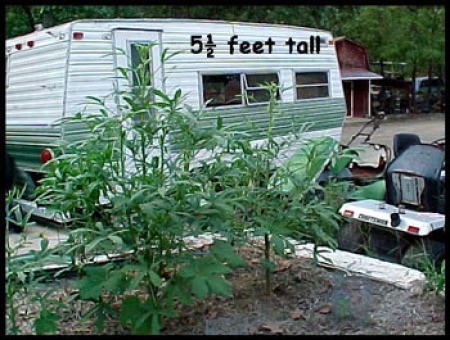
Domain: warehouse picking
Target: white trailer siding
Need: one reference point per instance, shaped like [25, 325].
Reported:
[91, 72]
[35, 94]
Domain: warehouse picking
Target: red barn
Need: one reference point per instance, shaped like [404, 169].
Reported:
[356, 76]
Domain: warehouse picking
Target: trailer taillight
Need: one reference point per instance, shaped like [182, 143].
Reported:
[46, 155]
[30, 43]
[348, 213]
[18, 46]
[77, 35]
[413, 230]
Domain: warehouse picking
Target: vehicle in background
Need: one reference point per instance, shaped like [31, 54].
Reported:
[432, 101]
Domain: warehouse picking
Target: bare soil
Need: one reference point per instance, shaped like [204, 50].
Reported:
[304, 299]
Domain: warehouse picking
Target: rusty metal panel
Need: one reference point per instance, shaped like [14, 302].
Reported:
[351, 55]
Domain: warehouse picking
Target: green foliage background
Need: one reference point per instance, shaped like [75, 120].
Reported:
[411, 34]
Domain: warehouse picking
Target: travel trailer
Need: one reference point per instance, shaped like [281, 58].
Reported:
[218, 65]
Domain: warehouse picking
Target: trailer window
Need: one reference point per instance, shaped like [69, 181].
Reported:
[254, 86]
[141, 79]
[311, 85]
[224, 89]
[140, 71]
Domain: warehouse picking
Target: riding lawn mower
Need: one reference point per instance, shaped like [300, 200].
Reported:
[397, 213]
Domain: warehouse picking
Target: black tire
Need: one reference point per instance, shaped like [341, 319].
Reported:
[10, 172]
[22, 179]
[423, 252]
[351, 238]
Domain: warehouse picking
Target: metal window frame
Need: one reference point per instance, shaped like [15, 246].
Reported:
[244, 87]
[201, 88]
[130, 45]
[296, 86]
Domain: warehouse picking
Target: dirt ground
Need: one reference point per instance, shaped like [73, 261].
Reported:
[305, 299]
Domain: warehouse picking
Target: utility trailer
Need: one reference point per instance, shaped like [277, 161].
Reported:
[219, 67]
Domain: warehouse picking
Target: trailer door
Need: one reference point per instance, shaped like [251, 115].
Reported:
[127, 40]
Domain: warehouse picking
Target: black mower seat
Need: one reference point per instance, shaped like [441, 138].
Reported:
[403, 140]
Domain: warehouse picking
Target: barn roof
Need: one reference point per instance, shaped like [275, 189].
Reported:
[358, 74]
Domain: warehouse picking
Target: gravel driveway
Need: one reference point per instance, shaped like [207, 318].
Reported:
[428, 126]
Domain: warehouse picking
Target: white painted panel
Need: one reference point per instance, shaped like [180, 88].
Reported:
[287, 80]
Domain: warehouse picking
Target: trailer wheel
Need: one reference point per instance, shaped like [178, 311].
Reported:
[424, 252]
[351, 238]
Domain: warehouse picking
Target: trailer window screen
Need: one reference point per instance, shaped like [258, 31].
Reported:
[224, 89]
[312, 85]
[141, 80]
[255, 83]
[140, 72]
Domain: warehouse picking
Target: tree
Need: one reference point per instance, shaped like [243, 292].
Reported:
[411, 34]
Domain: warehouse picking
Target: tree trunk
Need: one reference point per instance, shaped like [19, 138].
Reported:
[382, 67]
[382, 73]
[413, 87]
[29, 15]
[430, 75]
[48, 20]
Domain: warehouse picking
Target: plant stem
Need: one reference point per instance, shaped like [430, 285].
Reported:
[267, 258]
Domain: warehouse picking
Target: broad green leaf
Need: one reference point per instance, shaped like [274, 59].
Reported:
[155, 325]
[188, 271]
[219, 286]
[116, 239]
[375, 191]
[92, 245]
[136, 280]
[154, 278]
[225, 252]
[129, 308]
[136, 314]
[91, 284]
[116, 282]
[178, 289]
[46, 323]
[308, 161]
[100, 319]
[278, 244]
[267, 264]
[199, 287]
[140, 326]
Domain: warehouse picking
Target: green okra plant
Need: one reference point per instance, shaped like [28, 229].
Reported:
[148, 175]
[128, 193]
[24, 274]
